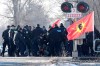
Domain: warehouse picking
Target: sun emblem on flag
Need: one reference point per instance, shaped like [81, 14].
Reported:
[80, 27]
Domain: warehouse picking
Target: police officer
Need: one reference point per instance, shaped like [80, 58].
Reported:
[16, 41]
[55, 43]
[27, 33]
[11, 42]
[43, 47]
[30, 39]
[36, 34]
[64, 37]
[50, 41]
[20, 43]
[5, 36]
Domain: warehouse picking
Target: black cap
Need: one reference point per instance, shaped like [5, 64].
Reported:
[8, 26]
[12, 25]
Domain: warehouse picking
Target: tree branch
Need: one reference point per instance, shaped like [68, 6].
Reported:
[8, 7]
[23, 5]
[6, 16]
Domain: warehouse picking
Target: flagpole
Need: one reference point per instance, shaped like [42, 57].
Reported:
[93, 31]
[75, 42]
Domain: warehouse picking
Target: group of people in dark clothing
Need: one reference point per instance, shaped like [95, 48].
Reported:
[34, 42]
[37, 41]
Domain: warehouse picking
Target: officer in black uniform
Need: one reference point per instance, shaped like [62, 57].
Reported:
[36, 34]
[11, 42]
[30, 40]
[26, 34]
[50, 41]
[5, 36]
[43, 47]
[64, 37]
[20, 43]
[55, 43]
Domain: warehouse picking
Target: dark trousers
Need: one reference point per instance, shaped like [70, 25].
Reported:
[12, 48]
[79, 48]
[51, 49]
[57, 48]
[4, 46]
[69, 48]
[28, 45]
[35, 47]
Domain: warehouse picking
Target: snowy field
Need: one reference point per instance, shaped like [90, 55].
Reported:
[43, 61]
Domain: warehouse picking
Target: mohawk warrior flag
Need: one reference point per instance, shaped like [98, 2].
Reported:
[85, 24]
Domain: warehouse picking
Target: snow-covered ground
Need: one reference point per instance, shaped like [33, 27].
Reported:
[39, 64]
[43, 61]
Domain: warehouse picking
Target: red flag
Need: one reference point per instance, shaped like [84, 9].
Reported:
[57, 22]
[85, 24]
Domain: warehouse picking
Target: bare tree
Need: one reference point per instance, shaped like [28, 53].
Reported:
[31, 12]
[26, 12]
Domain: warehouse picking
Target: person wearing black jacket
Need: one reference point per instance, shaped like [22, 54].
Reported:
[27, 38]
[11, 41]
[55, 41]
[5, 36]
[64, 37]
[89, 40]
[36, 34]
[20, 43]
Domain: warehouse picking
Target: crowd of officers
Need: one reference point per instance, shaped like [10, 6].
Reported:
[37, 41]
